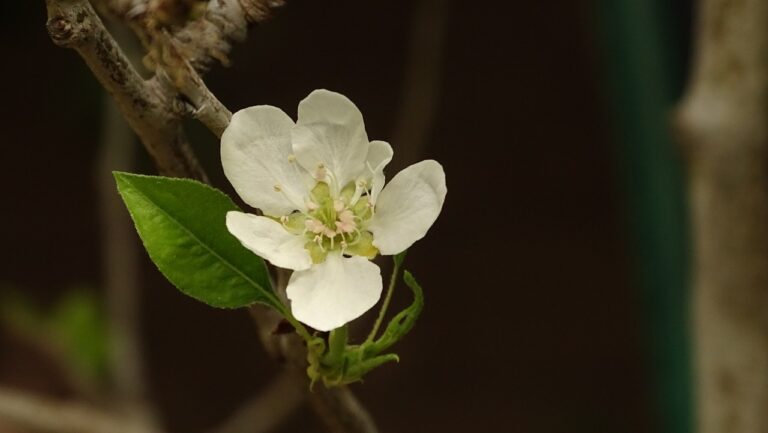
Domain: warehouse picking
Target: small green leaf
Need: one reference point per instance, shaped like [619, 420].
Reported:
[182, 225]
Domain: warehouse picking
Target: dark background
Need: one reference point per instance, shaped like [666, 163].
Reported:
[540, 314]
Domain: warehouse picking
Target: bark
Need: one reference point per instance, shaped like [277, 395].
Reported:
[144, 104]
[723, 121]
[43, 415]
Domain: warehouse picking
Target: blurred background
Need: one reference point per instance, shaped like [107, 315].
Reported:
[555, 278]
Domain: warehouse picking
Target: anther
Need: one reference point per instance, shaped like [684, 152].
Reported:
[320, 172]
[338, 205]
[277, 188]
[291, 158]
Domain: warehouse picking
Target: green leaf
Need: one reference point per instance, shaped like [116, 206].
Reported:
[182, 225]
[79, 324]
[73, 330]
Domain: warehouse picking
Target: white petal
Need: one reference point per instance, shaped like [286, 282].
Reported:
[408, 206]
[255, 150]
[334, 292]
[269, 240]
[379, 155]
[330, 131]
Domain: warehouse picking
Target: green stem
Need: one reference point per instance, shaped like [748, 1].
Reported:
[337, 345]
[298, 326]
[387, 298]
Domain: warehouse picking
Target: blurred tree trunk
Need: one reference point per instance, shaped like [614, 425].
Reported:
[723, 122]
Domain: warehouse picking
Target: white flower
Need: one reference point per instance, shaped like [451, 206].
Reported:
[320, 184]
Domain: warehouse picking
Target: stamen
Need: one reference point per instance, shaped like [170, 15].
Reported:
[314, 226]
[319, 241]
[291, 158]
[338, 205]
[321, 172]
[279, 188]
[358, 193]
[328, 232]
[346, 223]
[357, 238]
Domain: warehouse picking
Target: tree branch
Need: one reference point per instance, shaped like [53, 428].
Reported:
[46, 415]
[146, 107]
[420, 94]
[120, 253]
[722, 122]
[266, 411]
[152, 109]
[338, 408]
[226, 21]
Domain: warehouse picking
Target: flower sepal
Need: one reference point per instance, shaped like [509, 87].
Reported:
[340, 363]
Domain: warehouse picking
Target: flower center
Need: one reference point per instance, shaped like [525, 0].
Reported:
[334, 223]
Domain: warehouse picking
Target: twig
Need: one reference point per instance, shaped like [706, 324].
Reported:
[146, 106]
[722, 121]
[120, 255]
[341, 411]
[420, 94]
[226, 21]
[338, 408]
[266, 411]
[46, 415]
[177, 72]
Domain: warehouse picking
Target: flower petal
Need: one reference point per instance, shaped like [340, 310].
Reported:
[379, 155]
[334, 292]
[255, 150]
[330, 132]
[408, 206]
[269, 240]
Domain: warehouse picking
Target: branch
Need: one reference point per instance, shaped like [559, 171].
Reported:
[151, 108]
[204, 40]
[120, 253]
[342, 412]
[269, 409]
[420, 94]
[226, 21]
[177, 72]
[50, 416]
[338, 408]
[722, 122]
[146, 107]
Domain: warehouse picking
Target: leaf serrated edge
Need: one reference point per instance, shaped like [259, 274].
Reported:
[123, 178]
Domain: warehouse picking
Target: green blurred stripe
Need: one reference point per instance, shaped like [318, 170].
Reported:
[644, 48]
